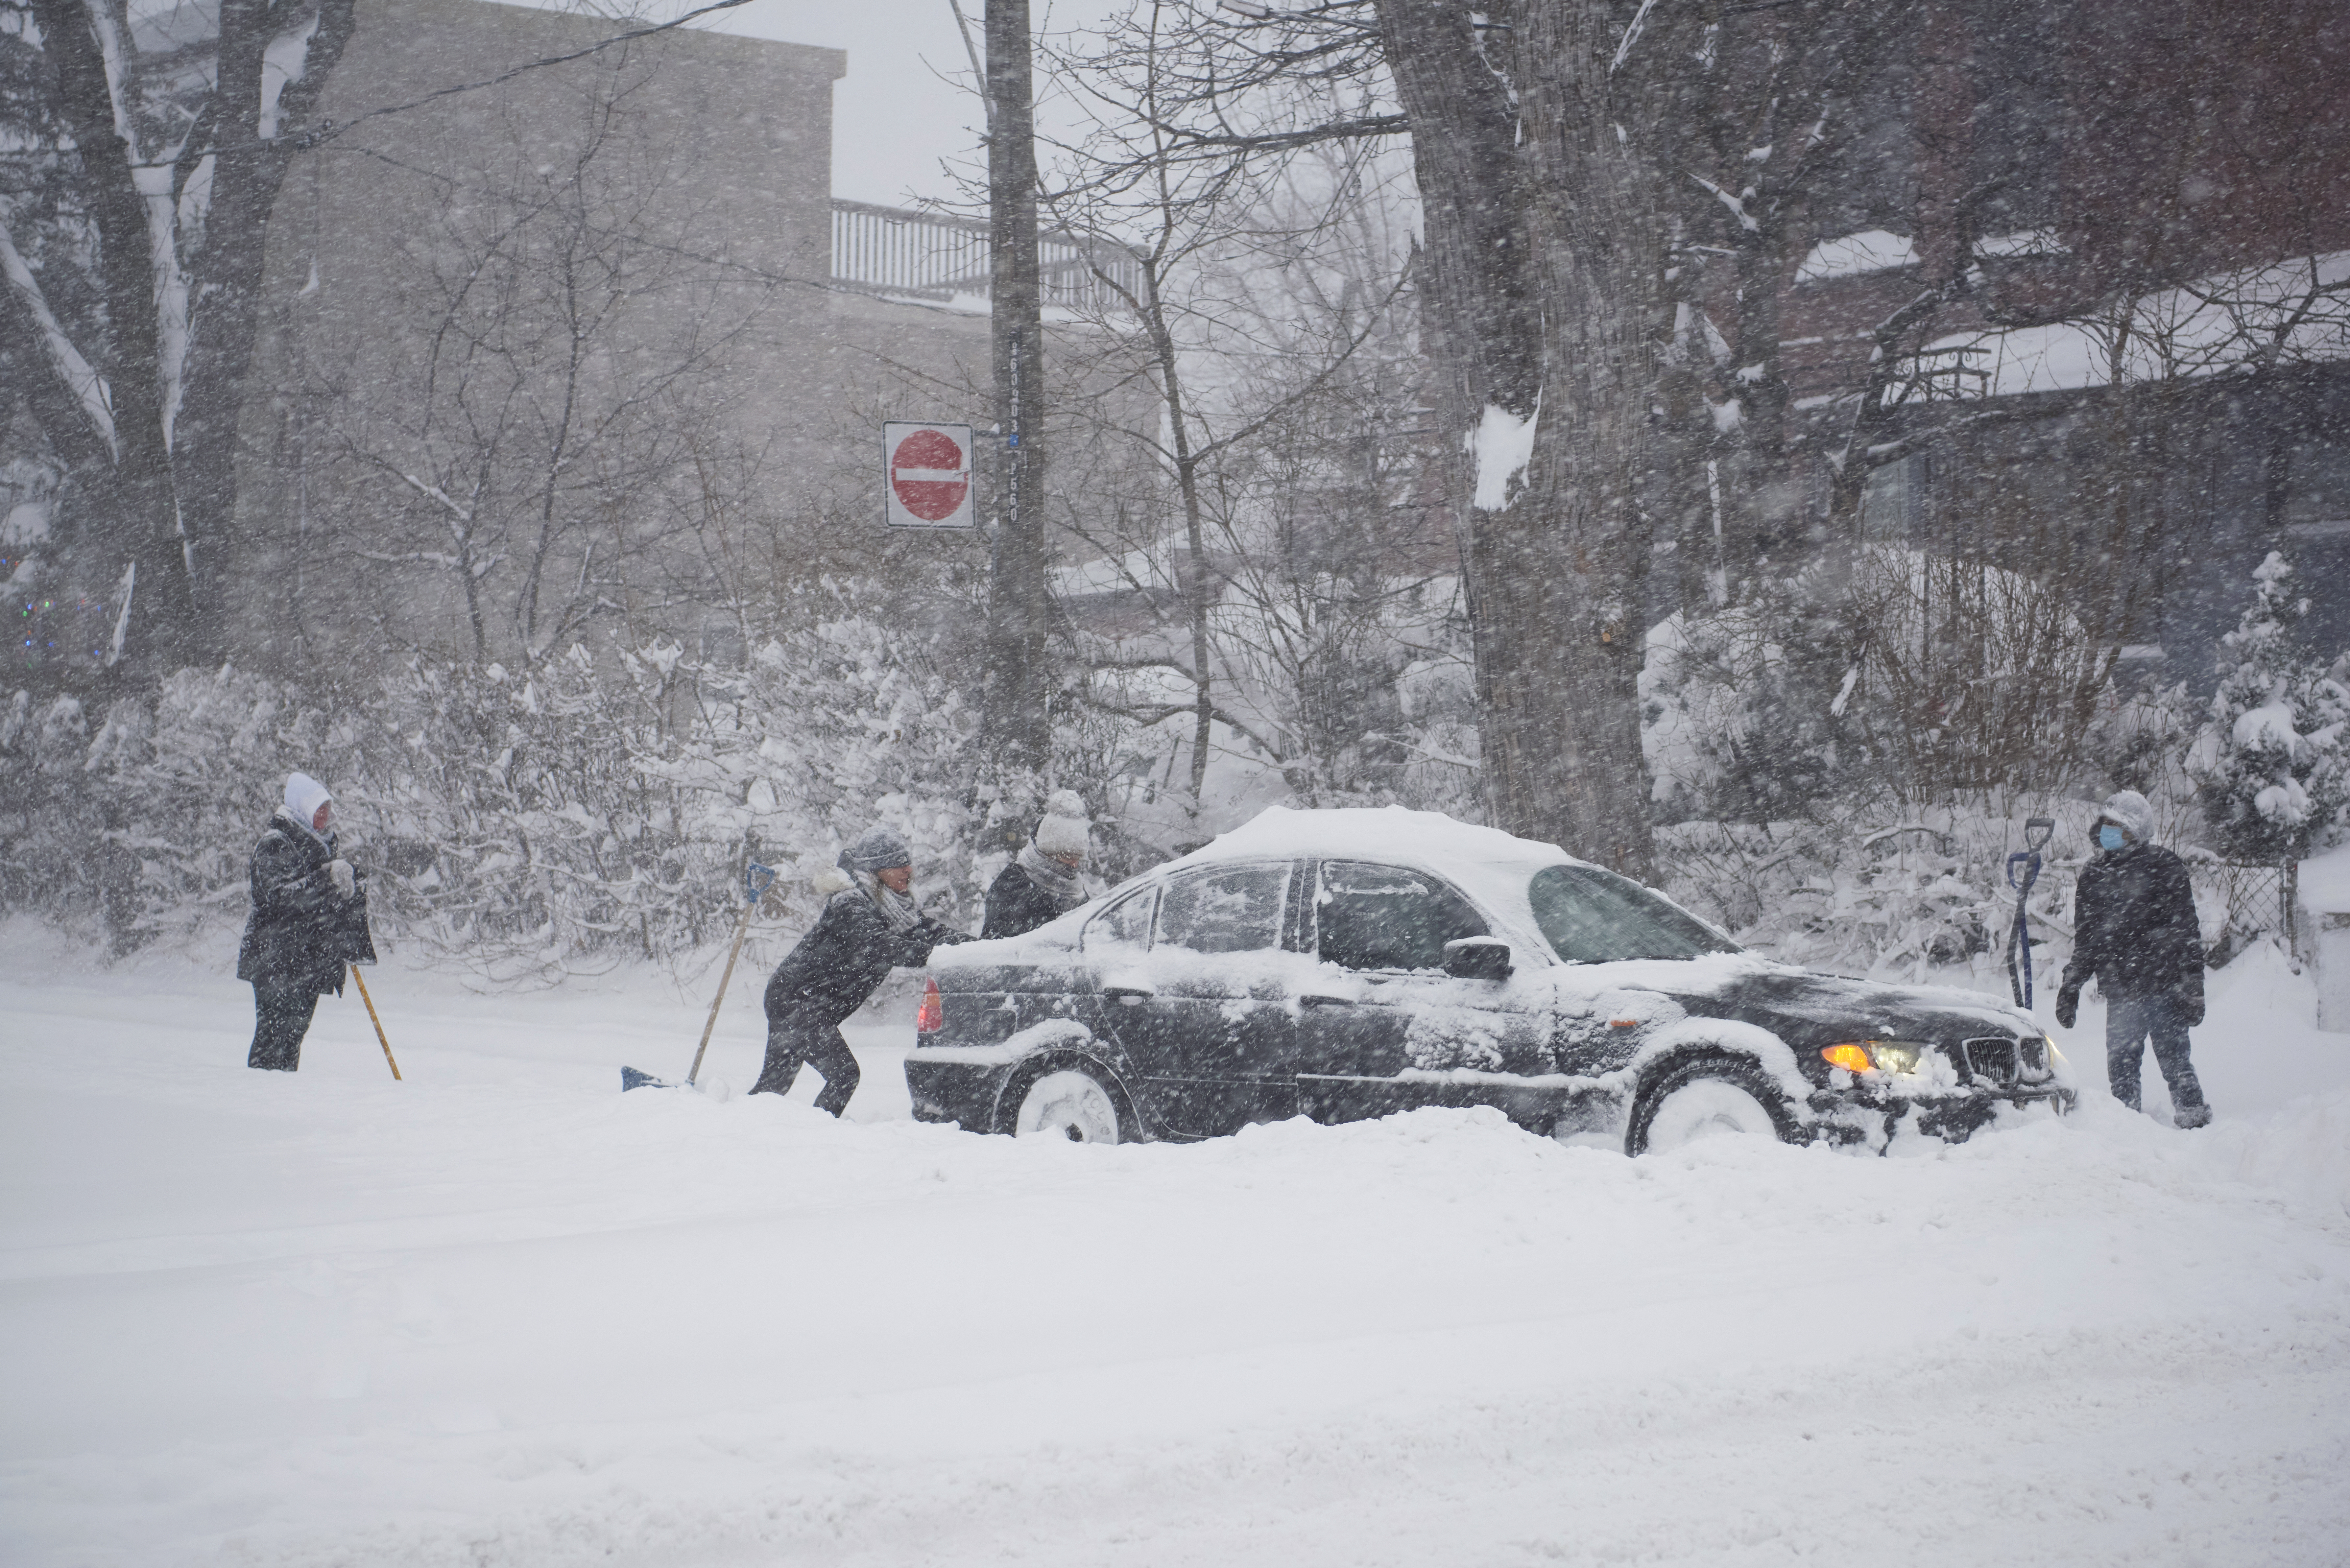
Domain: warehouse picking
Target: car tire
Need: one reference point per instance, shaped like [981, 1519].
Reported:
[1071, 1104]
[1708, 1097]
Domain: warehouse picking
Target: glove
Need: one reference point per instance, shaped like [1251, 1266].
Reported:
[346, 880]
[2068, 1006]
[2190, 1000]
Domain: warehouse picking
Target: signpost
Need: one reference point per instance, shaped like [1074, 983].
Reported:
[927, 473]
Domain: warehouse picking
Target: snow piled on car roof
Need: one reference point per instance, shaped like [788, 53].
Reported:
[1388, 833]
[1490, 865]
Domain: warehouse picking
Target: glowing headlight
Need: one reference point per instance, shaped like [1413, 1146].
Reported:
[1895, 1055]
[1883, 1055]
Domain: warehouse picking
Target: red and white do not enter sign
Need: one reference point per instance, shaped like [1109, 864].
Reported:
[927, 473]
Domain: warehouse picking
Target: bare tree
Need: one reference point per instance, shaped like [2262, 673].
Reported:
[1254, 303]
[548, 455]
[174, 143]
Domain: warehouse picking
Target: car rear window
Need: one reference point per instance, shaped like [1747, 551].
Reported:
[1590, 916]
[1230, 909]
[1383, 917]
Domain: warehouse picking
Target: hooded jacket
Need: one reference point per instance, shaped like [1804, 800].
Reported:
[2135, 927]
[302, 931]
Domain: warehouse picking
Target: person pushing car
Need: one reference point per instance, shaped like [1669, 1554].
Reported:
[2136, 934]
[866, 929]
[1047, 878]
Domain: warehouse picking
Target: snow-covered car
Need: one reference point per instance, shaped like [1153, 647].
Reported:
[1347, 964]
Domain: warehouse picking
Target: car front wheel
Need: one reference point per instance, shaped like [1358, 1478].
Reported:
[1068, 1103]
[1709, 1097]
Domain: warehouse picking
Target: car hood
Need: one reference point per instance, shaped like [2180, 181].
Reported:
[1806, 1008]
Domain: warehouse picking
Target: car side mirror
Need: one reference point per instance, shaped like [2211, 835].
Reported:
[1477, 957]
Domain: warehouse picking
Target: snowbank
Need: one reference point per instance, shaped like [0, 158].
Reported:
[502, 1314]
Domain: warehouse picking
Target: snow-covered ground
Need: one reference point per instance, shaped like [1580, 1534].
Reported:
[500, 1314]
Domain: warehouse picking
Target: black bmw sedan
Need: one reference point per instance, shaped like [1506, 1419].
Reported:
[1347, 964]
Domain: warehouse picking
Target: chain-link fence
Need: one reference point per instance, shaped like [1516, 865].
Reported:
[2240, 904]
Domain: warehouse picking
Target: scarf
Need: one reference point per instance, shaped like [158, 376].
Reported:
[1063, 885]
[285, 815]
[898, 908]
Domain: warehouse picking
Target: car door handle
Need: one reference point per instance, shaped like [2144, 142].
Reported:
[1325, 1002]
[1131, 995]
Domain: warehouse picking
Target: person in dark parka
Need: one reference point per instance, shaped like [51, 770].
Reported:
[866, 930]
[2135, 931]
[308, 924]
[1046, 878]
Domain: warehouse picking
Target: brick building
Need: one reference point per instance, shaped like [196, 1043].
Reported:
[2144, 378]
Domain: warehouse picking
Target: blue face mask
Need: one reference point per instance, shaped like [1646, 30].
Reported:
[2108, 836]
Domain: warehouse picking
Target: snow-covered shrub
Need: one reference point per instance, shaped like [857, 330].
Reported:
[148, 820]
[1858, 891]
[523, 826]
[1735, 729]
[2274, 758]
[1919, 679]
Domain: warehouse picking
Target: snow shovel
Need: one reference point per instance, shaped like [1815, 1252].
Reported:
[2036, 834]
[756, 881]
[376, 1022]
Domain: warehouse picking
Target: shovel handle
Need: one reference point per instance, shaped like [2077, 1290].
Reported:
[376, 1022]
[757, 888]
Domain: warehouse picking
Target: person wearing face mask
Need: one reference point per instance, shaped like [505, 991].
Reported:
[308, 924]
[2136, 934]
[868, 927]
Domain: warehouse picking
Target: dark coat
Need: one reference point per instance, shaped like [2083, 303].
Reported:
[848, 954]
[1015, 904]
[2135, 927]
[303, 933]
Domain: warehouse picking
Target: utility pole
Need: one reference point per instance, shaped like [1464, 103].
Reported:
[1017, 734]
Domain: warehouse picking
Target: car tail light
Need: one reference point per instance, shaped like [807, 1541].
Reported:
[933, 1015]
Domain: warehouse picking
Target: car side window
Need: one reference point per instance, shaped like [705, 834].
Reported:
[1125, 924]
[1384, 916]
[1228, 909]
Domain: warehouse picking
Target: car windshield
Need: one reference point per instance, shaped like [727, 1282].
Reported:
[1592, 916]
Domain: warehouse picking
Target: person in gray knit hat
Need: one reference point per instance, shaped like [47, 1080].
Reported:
[1046, 878]
[868, 927]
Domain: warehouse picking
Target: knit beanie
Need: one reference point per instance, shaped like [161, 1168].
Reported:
[1064, 829]
[879, 850]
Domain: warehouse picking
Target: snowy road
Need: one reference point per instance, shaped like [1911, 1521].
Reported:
[500, 1314]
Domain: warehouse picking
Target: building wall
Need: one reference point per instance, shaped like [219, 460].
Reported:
[714, 155]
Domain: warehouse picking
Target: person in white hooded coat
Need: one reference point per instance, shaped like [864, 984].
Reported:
[308, 924]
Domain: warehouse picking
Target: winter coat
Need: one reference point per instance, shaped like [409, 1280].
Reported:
[1015, 904]
[2135, 927]
[303, 933]
[848, 954]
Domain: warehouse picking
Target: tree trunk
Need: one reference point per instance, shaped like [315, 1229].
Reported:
[166, 502]
[138, 504]
[248, 174]
[1544, 261]
[1018, 611]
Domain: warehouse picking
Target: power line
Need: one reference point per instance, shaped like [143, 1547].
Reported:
[326, 130]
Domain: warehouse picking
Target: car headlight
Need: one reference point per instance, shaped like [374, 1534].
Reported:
[1883, 1056]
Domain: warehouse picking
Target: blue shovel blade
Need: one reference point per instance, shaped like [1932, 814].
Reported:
[632, 1079]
